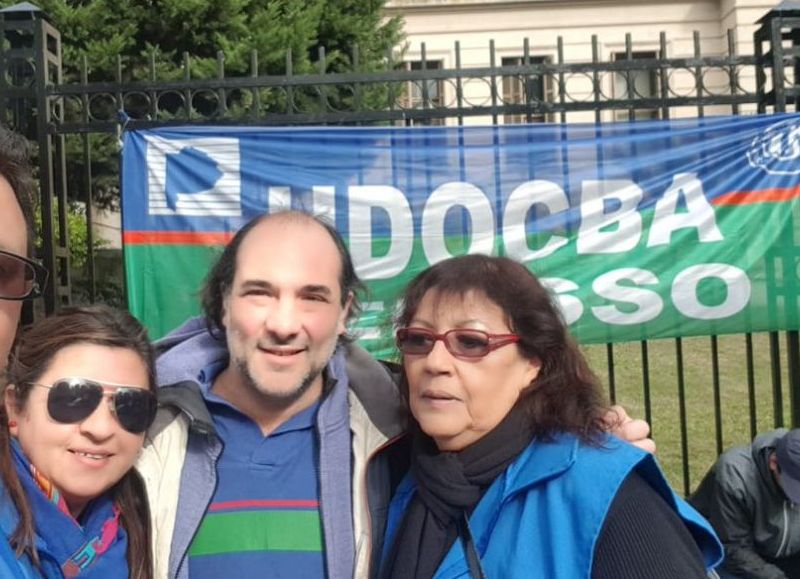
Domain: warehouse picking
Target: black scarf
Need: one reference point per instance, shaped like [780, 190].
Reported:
[450, 484]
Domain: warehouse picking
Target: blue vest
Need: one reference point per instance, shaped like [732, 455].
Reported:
[543, 515]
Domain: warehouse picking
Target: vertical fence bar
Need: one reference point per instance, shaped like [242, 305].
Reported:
[612, 380]
[255, 92]
[498, 177]
[118, 96]
[793, 369]
[716, 389]
[682, 414]
[751, 383]
[562, 83]
[64, 295]
[630, 92]
[153, 94]
[62, 202]
[733, 71]
[775, 372]
[698, 75]
[322, 69]
[187, 92]
[45, 161]
[459, 85]
[527, 85]
[222, 102]
[390, 89]
[493, 80]
[87, 188]
[778, 77]
[596, 89]
[423, 53]
[761, 75]
[290, 108]
[663, 76]
[358, 97]
[90, 249]
[648, 403]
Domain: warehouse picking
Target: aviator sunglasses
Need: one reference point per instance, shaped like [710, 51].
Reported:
[20, 277]
[460, 342]
[71, 400]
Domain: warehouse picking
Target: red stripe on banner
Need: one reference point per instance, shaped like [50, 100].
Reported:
[763, 196]
[227, 505]
[176, 238]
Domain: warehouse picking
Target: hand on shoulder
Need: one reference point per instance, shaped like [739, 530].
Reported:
[635, 431]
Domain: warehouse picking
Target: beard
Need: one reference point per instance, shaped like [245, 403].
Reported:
[281, 399]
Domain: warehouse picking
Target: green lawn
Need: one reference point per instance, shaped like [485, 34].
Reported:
[700, 413]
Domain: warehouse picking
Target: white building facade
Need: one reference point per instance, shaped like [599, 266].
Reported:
[461, 33]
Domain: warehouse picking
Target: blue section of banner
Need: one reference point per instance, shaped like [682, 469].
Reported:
[495, 160]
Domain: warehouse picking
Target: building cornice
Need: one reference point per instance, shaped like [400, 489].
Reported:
[400, 5]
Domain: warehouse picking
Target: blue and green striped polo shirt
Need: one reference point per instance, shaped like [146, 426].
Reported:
[264, 518]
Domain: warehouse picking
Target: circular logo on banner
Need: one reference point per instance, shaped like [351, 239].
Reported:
[777, 149]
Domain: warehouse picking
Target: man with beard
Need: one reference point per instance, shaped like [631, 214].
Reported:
[20, 279]
[258, 461]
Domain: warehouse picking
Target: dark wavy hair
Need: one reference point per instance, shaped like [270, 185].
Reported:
[565, 396]
[36, 348]
[15, 166]
[220, 278]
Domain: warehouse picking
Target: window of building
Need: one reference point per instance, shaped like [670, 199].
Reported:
[637, 84]
[522, 88]
[423, 94]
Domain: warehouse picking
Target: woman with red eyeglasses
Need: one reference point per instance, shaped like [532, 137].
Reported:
[79, 395]
[512, 473]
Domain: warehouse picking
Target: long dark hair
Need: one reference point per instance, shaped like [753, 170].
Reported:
[566, 395]
[99, 325]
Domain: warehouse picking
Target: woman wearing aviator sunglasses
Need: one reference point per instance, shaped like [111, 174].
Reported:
[79, 396]
[512, 473]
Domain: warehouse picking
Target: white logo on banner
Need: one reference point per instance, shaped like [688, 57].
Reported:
[777, 149]
[194, 177]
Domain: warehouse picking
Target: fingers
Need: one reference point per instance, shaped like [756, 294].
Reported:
[615, 417]
[635, 431]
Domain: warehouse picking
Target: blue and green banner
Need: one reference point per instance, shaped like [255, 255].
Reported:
[641, 230]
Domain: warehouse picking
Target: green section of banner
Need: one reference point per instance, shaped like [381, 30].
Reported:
[739, 275]
[164, 283]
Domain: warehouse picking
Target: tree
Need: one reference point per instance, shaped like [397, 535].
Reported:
[152, 36]
[135, 29]
[108, 283]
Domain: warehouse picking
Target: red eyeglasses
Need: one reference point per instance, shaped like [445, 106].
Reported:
[463, 343]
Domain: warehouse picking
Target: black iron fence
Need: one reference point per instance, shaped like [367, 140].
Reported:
[76, 126]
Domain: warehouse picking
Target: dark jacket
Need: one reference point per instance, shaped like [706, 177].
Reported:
[749, 511]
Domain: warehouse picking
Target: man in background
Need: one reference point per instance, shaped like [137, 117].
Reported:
[751, 496]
